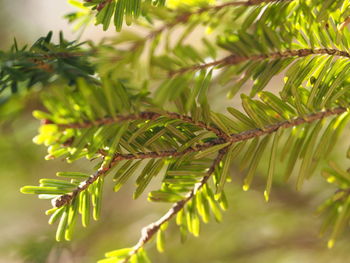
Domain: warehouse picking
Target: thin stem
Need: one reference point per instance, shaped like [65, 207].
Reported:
[286, 124]
[222, 137]
[183, 18]
[149, 231]
[67, 198]
[237, 59]
[234, 137]
[147, 115]
[165, 154]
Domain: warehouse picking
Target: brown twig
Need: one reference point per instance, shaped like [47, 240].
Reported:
[237, 59]
[183, 18]
[235, 137]
[146, 115]
[149, 231]
[67, 198]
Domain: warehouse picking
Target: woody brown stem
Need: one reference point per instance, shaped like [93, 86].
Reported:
[237, 59]
[183, 18]
[147, 115]
[149, 231]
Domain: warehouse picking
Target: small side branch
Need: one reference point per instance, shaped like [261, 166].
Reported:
[183, 18]
[67, 198]
[141, 116]
[286, 124]
[149, 231]
[237, 59]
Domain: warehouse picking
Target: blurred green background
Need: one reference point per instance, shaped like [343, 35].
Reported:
[284, 230]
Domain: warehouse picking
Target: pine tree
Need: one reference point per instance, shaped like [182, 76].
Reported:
[139, 104]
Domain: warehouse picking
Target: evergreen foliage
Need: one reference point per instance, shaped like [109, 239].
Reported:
[43, 62]
[139, 104]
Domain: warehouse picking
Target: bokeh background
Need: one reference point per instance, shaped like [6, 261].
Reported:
[284, 230]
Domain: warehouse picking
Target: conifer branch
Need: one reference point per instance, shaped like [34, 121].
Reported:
[180, 19]
[237, 59]
[116, 122]
[172, 115]
[164, 154]
[149, 231]
[185, 17]
[146, 115]
[286, 124]
[233, 138]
